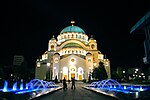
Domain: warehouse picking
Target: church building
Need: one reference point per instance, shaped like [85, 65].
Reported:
[71, 54]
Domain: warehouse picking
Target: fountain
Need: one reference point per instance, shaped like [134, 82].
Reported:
[14, 86]
[113, 88]
[32, 89]
[5, 89]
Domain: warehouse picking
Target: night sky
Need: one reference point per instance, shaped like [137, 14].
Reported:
[27, 25]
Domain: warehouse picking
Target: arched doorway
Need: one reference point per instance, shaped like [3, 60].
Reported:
[52, 47]
[72, 72]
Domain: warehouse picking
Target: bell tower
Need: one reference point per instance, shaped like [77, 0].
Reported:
[52, 44]
[92, 43]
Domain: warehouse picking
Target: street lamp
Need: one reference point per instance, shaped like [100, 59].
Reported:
[136, 69]
[123, 71]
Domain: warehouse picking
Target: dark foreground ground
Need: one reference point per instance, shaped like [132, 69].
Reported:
[78, 94]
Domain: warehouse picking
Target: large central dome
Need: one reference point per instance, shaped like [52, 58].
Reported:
[72, 29]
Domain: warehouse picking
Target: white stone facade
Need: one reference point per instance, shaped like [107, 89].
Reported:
[72, 54]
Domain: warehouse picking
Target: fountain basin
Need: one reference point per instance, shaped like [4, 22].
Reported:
[12, 96]
[112, 88]
[32, 89]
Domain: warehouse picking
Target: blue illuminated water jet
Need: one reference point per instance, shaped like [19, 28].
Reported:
[21, 86]
[113, 85]
[33, 85]
[5, 89]
[26, 86]
[14, 86]
[33, 89]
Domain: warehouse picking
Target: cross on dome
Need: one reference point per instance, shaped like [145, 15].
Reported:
[72, 22]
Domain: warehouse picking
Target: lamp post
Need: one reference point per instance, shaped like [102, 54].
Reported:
[89, 74]
[48, 72]
[51, 67]
[89, 79]
[54, 73]
[60, 75]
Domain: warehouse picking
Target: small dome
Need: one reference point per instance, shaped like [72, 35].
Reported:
[53, 38]
[92, 38]
[99, 52]
[72, 29]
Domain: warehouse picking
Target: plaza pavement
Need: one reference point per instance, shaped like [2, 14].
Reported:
[78, 94]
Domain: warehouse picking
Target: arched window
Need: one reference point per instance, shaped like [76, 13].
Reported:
[76, 35]
[80, 70]
[76, 52]
[52, 47]
[72, 69]
[65, 70]
[92, 46]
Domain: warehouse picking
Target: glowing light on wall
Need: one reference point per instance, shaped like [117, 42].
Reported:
[38, 64]
[94, 64]
[48, 64]
[44, 56]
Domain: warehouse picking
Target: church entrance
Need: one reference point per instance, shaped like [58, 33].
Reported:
[80, 77]
[72, 72]
[80, 73]
[72, 75]
[65, 76]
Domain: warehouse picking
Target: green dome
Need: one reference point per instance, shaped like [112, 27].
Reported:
[75, 45]
[72, 29]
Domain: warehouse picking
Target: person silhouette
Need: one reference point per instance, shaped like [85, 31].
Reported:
[64, 84]
[73, 83]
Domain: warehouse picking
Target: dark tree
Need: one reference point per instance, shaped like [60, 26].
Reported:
[119, 73]
[100, 72]
[96, 73]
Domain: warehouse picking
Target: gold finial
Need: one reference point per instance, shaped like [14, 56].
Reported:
[72, 22]
[53, 36]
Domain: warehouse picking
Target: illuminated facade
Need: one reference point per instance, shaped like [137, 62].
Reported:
[72, 54]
